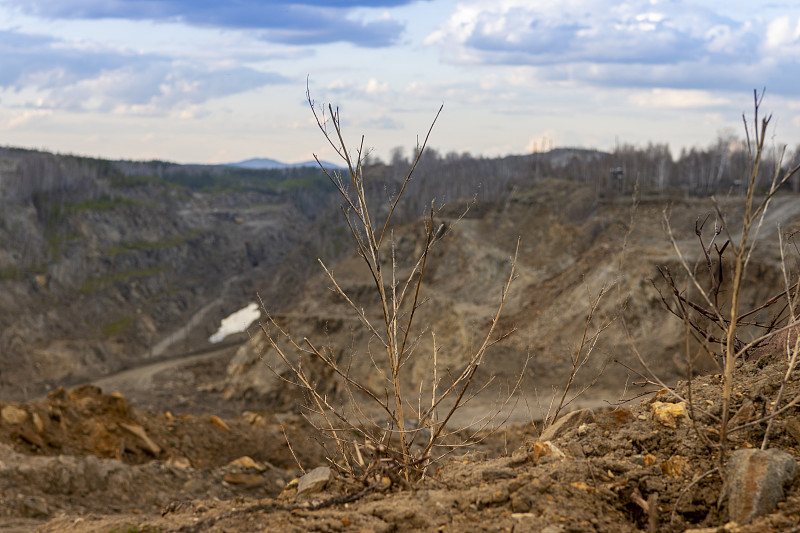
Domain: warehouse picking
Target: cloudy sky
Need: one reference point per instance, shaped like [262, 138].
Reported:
[213, 81]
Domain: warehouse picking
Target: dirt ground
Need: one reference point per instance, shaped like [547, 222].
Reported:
[86, 461]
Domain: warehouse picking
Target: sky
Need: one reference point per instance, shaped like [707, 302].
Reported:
[215, 81]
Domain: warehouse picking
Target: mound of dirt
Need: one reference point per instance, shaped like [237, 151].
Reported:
[86, 451]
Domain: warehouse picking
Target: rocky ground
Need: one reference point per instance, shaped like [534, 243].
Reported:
[86, 461]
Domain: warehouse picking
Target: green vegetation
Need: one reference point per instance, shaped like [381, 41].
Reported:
[103, 203]
[117, 327]
[95, 284]
[231, 179]
[125, 182]
[9, 272]
[147, 245]
[56, 240]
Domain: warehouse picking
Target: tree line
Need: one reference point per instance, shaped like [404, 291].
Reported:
[719, 168]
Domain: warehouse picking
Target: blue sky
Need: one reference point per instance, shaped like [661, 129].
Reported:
[212, 81]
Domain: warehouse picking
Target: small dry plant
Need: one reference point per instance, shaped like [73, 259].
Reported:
[579, 357]
[715, 317]
[412, 429]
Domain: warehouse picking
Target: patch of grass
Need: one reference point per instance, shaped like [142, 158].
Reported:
[9, 272]
[145, 245]
[56, 240]
[117, 327]
[95, 284]
[127, 182]
[103, 203]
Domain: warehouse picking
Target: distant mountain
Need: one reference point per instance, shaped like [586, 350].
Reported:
[264, 163]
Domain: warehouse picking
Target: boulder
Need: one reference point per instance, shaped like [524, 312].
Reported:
[755, 481]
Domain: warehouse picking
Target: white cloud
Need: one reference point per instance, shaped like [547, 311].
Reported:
[678, 44]
[783, 36]
[23, 117]
[376, 87]
[675, 98]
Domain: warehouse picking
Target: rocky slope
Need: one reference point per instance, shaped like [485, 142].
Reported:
[571, 247]
[106, 264]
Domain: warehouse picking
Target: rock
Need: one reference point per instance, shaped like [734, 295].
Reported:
[34, 506]
[179, 462]
[674, 466]
[615, 419]
[314, 481]
[254, 419]
[644, 460]
[743, 415]
[220, 423]
[14, 415]
[755, 481]
[792, 427]
[247, 480]
[246, 463]
[139, 432]
[568, 421]
[668, 414]
[38, 423]
[541, 449]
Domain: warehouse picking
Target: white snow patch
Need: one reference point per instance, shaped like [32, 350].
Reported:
[236, 322]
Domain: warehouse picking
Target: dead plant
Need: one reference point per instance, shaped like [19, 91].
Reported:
[579, 357]
[413, 432]
[715, 318]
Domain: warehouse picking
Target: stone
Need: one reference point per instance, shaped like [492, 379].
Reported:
[246, 480]
[615, 419]
[14, 415]
[38, 423]
[792, 428]
[254, 419]
[179, 462]
[568, 421]
[246, 463]
[674, 466]
[139, 432]
[542, 449]
[314, 481]
[34, 506]
[644, 460]
[220, 423]
[755, 481]
[743, 415]
[668, 414]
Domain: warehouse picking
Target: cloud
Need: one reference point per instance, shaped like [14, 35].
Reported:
[45, 62]
[677, 99]
[289, 22]
[677, 44]
[352, 89]
[25, 116]
[78, 77]
[381, 122]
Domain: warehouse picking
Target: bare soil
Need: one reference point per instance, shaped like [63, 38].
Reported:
[78, 469]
